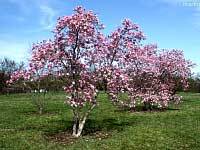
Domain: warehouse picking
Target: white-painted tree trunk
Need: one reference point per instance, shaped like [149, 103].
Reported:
[80, 127]
[75, 126]
[79, 123]
[40, 110]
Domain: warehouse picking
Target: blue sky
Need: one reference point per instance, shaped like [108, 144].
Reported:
[169, 23]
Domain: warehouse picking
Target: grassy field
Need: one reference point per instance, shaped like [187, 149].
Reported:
[107, 127]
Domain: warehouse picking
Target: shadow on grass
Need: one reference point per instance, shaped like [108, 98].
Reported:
[36, 113]
[173, 109]
[143, 109]
[95, 129]
[108, 124]
[91, 126]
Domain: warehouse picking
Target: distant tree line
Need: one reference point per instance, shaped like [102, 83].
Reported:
[7, 67]
[194, 84]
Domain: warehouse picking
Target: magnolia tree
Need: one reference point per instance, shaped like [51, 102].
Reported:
[136, 73]
[152, 76]
[81, 54]
[67, 55]
[149, 77]
[35, 74]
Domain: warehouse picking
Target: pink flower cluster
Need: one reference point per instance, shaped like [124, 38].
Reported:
[83, 93]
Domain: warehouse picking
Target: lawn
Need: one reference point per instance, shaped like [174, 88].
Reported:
[107, 127]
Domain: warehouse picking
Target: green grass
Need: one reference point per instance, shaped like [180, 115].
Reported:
[21, 128]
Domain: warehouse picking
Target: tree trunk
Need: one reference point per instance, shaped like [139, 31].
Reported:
[79, 123]
[147, 106]
[78, 128]
[75, 125]
[40, 110]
